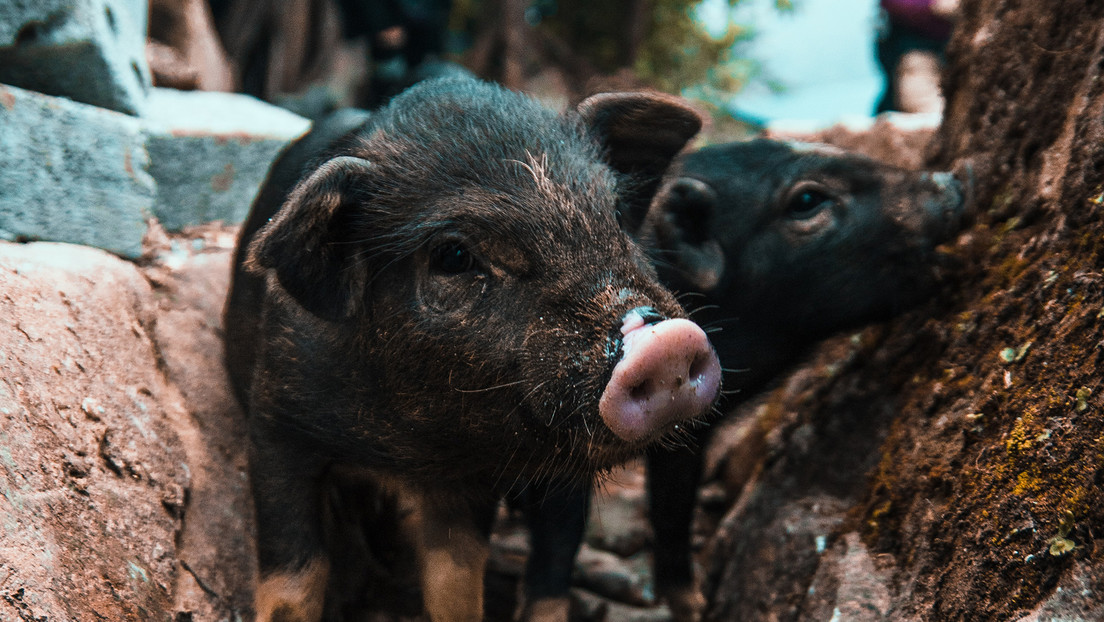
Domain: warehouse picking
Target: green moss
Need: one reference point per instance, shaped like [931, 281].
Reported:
[1003, 199]
[879, 512]
[1020, 437]
[1082, 396]
[1028, 483]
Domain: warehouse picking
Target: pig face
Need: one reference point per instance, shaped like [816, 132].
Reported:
[788, 242]
[464, 251]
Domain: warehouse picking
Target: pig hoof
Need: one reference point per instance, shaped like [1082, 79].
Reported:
[668, 373]
[295, 596]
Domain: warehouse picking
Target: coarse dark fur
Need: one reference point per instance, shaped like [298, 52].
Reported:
[428, 299]
[775, 246]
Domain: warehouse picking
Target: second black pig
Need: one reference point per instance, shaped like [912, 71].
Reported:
[437, 301]
[778, 245]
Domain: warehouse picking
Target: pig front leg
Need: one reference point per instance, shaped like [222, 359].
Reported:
[555, 513]
[452, 540]
[673, 479]
[293, 565]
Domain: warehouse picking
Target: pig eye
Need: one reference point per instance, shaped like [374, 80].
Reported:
[806, 202]
[452, 257]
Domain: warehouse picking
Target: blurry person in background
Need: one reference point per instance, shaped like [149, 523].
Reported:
[910, 52]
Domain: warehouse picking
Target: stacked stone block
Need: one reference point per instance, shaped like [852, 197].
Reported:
[90, 152]
[91, 51]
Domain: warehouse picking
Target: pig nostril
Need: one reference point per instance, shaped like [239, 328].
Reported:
[700, 365]
[641, 391]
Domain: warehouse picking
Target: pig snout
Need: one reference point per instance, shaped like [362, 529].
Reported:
[945, 204]
[668, 373]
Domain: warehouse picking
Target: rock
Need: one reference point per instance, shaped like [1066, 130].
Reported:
[848, 585]
[72, 173]
[190, 275]
[614, 577]
[209, 153]
[82, 174]
[509, 547]
[1076, 599]
[588, 607]
[894, 137]
[95, 477]
[91, 51]
[618, 612]
[123, 492]
[618, 520]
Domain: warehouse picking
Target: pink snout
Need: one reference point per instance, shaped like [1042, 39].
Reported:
[668, 373]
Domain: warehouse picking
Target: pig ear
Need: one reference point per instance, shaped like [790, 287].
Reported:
[688, 207]
[306, 242]
[642, 133]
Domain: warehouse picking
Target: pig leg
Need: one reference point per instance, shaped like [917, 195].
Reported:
[453, 546]
[555, 513]
[673, 478]
[293, 568]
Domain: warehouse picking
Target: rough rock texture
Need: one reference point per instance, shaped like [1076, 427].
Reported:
[94, 474]
[72, 173]
[949, 464]
[91, 51]
[82, 174]
[209, 153]
[123, 493]
[190, 275]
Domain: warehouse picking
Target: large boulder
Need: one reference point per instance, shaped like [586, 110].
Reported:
[123, 493]
[95, 474]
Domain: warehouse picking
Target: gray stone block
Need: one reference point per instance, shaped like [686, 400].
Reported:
[209, 153]
[72, 173]
[91, 51]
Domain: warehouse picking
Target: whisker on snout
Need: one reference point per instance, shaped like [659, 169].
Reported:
[683, 295]
[717, 323]
[493, 388]
[680, 437]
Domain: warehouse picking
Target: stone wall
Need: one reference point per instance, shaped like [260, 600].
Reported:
[91, 151]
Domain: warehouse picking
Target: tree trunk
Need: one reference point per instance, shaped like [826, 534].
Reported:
[949, 464]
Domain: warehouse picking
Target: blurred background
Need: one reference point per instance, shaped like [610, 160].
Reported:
[797, 64]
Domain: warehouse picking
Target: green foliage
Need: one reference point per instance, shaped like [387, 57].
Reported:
[676, 54]
[679, 54]
[669, 51]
